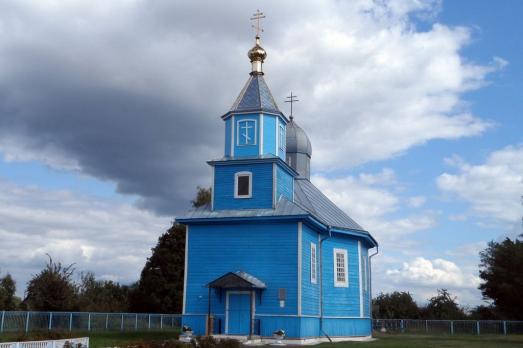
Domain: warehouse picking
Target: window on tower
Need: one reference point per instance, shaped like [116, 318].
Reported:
[341, 277]
[243, 185]
[282, 140]
[246, 133]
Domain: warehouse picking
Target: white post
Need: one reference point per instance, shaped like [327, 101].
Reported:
[451, 327]
[136, 322]
[149, 322]
[161, 321]
[106, 321]
[71, 321]
[121, 324]
[27, 322]
[2, 322]
[89, 322]
[477, 327]
[50, 321]
[504, 327]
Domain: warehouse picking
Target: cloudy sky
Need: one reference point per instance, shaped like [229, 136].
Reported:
[109, 110]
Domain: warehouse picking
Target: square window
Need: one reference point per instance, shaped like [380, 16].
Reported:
[243, 185]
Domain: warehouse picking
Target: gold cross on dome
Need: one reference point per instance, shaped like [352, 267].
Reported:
[256, 17]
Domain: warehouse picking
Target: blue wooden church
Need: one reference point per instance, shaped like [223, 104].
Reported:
[271, 251]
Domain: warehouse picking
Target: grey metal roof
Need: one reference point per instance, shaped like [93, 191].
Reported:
[313, 200]
[297, 140]
[255, 96]
[283, 207]
[237, 280]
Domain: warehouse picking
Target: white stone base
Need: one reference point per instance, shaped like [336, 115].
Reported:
[294, 342]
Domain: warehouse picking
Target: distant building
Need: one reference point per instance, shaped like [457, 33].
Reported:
[272, 252]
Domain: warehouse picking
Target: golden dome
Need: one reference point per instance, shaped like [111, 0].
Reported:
[257, 53]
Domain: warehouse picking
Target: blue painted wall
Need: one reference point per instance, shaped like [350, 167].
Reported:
[268, 251]
[246, 150]
[284, 183]
[310, 298]
[227, 150]
[341, 301]
[262, 184]
[269, 135]
[366, 290]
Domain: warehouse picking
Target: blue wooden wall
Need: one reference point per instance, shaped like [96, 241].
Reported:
[341, 301]
[262, 183]
[265, 250]
[310, 297]
[284, 183]
[269, 135]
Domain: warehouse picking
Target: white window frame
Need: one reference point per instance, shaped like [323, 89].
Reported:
[236, 176]
[282, 139]
[338, 283]
[314, 262]
[238, 131]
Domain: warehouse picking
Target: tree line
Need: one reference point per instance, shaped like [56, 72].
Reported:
[160, 287]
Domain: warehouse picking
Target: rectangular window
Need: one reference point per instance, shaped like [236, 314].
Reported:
[243, 185]
[283, 139]
[246, 132]
[313, 264]
[341, 276]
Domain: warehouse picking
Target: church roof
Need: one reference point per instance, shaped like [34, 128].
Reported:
[313, 200]
[255, 96]
[283, 207]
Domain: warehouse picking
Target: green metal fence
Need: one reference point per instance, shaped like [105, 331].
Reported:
[17, 321]
[450, 327]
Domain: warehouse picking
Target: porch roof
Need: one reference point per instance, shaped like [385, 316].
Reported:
[237, 280]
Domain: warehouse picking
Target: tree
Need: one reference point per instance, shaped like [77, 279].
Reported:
[500, 270]
[444, 306]
[102, 295]
[396, 305]
[8, 300]
[203, 197]
[160, 288]
[52, 289]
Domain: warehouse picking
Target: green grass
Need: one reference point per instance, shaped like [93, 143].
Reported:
[111, 339]
[441, 341]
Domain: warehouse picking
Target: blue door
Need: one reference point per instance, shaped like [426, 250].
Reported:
[238, 314]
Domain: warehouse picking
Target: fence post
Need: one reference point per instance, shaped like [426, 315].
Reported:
[136, 322]
[106, 321]
[401, 325]
[149, 325]
[121, 324]
[161, 321]
[451, 327]
[27, 322]
[50, 327]
[504, 327]
[477, 327]
[2, 322]
[89, 322]
[71, 321]
[426, 326]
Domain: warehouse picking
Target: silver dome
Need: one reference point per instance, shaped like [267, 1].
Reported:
[297, 140]
[299, 149]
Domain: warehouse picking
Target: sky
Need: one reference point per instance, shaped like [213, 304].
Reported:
[110, 110]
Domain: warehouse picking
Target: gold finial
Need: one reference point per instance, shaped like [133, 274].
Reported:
[256, 17]
[292, 99]
[257, 54]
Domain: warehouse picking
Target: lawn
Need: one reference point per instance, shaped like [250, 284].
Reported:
[115, 338]
[441, 341]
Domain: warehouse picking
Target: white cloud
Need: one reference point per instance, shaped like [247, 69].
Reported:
[493, 188]
[364, 198]
[422, 277]
[107, 237]
[417, 201]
